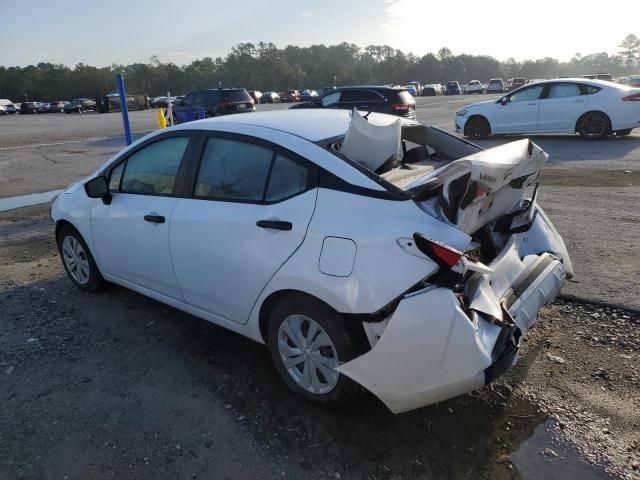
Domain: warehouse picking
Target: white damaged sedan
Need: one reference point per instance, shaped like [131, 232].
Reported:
[375, 253]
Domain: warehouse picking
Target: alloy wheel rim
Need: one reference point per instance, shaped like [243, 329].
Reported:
[75, 259]
[308, 354]
[593, 126]
[475, 129]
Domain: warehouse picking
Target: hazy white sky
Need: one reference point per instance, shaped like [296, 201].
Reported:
[123, 31]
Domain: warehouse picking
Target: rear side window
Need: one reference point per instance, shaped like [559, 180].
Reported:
[153, 169]
[589, 89]
[564, 90]
[243, 171]
[211, 97]
[236, 96]
[233, 170]
[287, 179]
[360, 96]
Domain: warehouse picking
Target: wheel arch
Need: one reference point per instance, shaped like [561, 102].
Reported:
[353, 327]
[576, 127]
[62, 223]
[483, 117]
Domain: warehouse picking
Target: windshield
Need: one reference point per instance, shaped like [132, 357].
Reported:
[236, 96]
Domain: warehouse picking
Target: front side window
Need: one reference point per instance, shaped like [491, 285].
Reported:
[527, 94]
[564, 90]
[330, 99]
[188, 100]
[153, 169]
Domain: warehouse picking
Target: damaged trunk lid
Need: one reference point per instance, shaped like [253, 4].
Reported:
[482, 187]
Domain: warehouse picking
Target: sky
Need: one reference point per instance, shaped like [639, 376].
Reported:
[128, 31]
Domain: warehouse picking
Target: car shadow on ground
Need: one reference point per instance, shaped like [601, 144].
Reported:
[115, 366]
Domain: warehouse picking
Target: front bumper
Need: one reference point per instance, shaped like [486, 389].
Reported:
[432, 350]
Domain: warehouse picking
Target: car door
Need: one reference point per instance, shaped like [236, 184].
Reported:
[250, 207]
[131, 233]
[518, 112]
[561, 106]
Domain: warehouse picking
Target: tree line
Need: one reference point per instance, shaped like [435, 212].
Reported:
[263, 66]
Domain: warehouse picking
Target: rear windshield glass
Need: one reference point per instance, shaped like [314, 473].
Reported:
[405, 97]
[236, 95]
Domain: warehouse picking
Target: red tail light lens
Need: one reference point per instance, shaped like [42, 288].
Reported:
[632, 98]
[440, 253]
[400, 106]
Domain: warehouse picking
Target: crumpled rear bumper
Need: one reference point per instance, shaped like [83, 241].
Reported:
[431, 350]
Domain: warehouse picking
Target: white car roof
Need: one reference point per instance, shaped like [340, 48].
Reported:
[584, 81]
[309, 123]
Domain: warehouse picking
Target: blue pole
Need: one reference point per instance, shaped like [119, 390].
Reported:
[125, 109]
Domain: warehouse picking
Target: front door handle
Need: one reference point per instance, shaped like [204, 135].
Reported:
[275, 224]
[154, 218]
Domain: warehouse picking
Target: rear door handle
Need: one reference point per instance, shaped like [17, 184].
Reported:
[154, 218]
[275, 224]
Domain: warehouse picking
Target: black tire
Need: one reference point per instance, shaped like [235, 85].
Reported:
[594, 126]
[477, 127]
[345, 389]
[623, 133]
[95, 281]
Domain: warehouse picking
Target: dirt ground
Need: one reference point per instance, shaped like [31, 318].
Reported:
[115, 385]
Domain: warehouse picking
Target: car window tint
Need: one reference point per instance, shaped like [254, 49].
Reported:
[199, 98]
[564, 90]
[153, 169]
[589, 89]
[232, 169]
[287, 179]
[330, 99]
[211, 97]
[188, 100]
[116, 175]
[527, 94]
[359, 96]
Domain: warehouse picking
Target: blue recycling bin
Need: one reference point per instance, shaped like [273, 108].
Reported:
[190, 115]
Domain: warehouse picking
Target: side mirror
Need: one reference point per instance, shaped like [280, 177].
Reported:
[504, 100]
[98, 188]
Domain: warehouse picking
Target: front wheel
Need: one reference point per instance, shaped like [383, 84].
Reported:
[78, 261]
[307, 340]
[477, 128]
[593, 126]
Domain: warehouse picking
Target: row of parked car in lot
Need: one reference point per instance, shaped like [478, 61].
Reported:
[107, 103]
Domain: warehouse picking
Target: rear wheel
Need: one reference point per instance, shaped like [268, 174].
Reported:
[593, 126]
[78, 261]
[477, 127]
[307, 341]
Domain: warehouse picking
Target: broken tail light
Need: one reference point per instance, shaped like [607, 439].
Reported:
[445, 257]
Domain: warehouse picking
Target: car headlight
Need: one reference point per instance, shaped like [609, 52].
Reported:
[461, 113]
